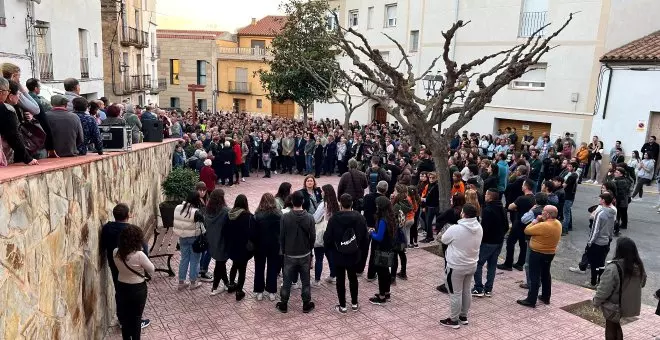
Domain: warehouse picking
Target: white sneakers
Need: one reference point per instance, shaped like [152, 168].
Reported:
[219, 290]
[332, 280]
[260, 296]
[243, 179]
[316, 283]
[576, 270]
[195, 285]
[272, 296]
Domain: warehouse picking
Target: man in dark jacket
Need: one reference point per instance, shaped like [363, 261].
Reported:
[570, 187]
[370, 217]
[353, 182]
[495, 225]
[300, 153]
[110, 241]
[297, 237]
[376, 174]
[345, 262]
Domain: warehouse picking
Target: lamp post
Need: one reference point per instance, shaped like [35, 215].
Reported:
[41, 28]
[434, 84]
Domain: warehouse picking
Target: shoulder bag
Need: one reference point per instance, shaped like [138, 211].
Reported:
[358, 203]
[145, 276]
[612, 311]
[200, 244]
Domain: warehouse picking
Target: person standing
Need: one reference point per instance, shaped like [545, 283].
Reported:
[288, 145]
[90, 129]
[300, 154]
[623, 185]
[370, 209]
[463, 241]
[345, 236]
[134, 268]
[432, 202]
[65, 127]
[382, 242]
[570, 188]
[545, 232]
[519, 207]
[267, 247]
[215, 220]
[495, 225]
[598, 245]
[644, 175]
[239, 235]
[297, 237]
[621, 285]
[188, 225]
[353, 182]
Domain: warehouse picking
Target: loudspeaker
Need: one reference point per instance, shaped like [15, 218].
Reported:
[116, 138]
[152, 130]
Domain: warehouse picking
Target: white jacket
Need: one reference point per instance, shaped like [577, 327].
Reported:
[463, 240]
[184, 222]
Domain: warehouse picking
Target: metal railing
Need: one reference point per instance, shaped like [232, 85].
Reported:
[146, 81]
[136, 83]
[257, 51]
[239, 87]
[531, 22]
[126, 84]
[143, 39]
[45, 66]
[134, 37]
[155, 52]
[84, 68]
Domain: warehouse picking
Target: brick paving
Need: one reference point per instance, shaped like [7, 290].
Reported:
[413, 313]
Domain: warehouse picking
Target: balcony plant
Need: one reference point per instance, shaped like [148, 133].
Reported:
[176, 187]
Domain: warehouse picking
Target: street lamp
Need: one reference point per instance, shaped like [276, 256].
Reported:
[41, 28]
[434, 84]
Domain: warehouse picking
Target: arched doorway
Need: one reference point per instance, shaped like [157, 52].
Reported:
[379, 114]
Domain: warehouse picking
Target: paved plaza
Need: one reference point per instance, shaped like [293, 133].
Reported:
[413, 313]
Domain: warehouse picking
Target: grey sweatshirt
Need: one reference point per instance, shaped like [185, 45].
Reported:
[297, 234]
[603, 226]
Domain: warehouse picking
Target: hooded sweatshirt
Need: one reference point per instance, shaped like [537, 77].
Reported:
[238, 231]
[214, 226]
[494, 222]
[337, 225]
[297, 234]
[463, 241]
[603, 227]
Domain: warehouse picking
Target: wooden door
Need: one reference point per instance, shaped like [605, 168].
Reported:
[286, 109]
[523, 127]
[380, 115]
[654, 126]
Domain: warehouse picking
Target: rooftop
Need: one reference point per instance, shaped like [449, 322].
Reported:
[193, 34]
[645, 49]
[267, 26]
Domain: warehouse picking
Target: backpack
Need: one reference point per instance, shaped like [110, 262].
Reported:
[374, 177]
[34, 137]
[348, 243]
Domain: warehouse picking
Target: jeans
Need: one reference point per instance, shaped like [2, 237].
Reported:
[613, 330]
[342, 273]
[621, 219]
[273, 268]
[594, 170]
[384, 280]
[460, 297]
[515, 235]
[309, 160]
[220, 273]
[526, 266]
[641, 182]
[318, 263]
[238, 268]
[364, 257]
[189, 263]
[204, 262]
[567, 223]
[131, 299]
[294, 267]
[488, 254]
[430, 215]
[539, 275]
[596, 255]
[300, 163]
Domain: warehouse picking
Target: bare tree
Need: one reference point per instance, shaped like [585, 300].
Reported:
[419, 116]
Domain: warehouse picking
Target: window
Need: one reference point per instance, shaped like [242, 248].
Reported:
[138, 64]
[390, 15]
[175, 102]
[260, 104]
[533, 16]
[258, 47]
[414, 41]
[201, 72]
[533, 79]
[174, 71]
[201, 104]
[330, 21]
[370, 18]
[385, 55]
[353, 18]
[137, 19]
[44, 53]
[3, 21]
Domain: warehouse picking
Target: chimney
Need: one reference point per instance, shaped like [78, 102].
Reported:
[254, 21]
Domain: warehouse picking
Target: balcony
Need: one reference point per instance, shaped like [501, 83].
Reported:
[45, 66]
[244, 53]
[146, 81]
[155, 53]
[134, 37]
[84, 68]
[135, 83]
[239, 87]
[158, 85]
[531, 22]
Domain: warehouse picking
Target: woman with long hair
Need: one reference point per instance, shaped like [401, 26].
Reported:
[239, 235]
[415, 200]
[326, 208]
[282, 193]
[472, 197]
[134, 267]
[403, 212]
[311, 194]
[215, 220]
[382, 239]
[621, 284]
[188, 225]
[267, 246]
[645, 170]
[594, 168]
[634, 161]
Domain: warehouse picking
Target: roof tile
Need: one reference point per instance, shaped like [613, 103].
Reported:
[268, 26]
[645, 49]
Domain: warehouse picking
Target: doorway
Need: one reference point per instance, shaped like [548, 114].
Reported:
[380, 114]
[239, 105]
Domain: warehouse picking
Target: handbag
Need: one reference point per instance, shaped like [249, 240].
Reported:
[612, 311]
[383, 258]
[145, 276]
[200, 244]
[33, 135]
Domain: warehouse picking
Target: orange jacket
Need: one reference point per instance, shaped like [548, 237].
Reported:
[582, 155]
[456, 188]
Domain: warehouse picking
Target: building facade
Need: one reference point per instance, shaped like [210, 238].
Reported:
[130, 51]
[43, 40]
[559, 96]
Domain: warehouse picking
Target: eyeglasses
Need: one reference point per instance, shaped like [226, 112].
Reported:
[2, 90]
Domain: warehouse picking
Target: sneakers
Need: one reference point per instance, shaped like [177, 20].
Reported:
[341, 309]
[231, 288]
[477, 293]
[308, 307]
[595, 182]
[502, 266]
[195, 285]
[332, 280]
[637, 199]
[442, 288]
[182, 286]
[240, 295]
[260, 296]
[371, 279]
[449, 323]
[205, 277]
[218, 290]
[377, 300]
[589, 285]
[576, 270]
[317, 283]
[416, 245]
[463, 320]
[272, 296]
[282, 307]
[243, 179]
[145, 323]
[488, 294]
[402, 276]
[523, 286]
[355, 307]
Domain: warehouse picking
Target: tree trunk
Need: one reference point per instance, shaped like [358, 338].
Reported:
[347, 122]
[305, 108]
[440, 149]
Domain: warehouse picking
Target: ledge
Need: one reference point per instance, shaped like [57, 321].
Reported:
[20, 170]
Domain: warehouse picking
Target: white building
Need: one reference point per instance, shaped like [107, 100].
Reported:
[54, 40]
[629, 94]
[558, 97]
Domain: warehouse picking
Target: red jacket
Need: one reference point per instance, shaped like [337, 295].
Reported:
[238, 153]
[207, 175]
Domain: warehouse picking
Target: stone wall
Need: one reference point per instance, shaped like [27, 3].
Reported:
[53, 284]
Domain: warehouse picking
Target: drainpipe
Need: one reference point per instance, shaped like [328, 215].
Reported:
[453, 42]
[607, 92]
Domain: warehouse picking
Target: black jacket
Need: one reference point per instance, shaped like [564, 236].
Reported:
[449, 216]
[330, 150]
[110, 241]
[338, 223]
[214, 225]
[433, 196]
[570, 187]
[9, 124]
[267, 233]
[297, 233]
[491, 183]
[514, 190]
[307, 202]
[238, 231]
[300, 147]
[494, 222]
[370, 209]
[352, 182]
